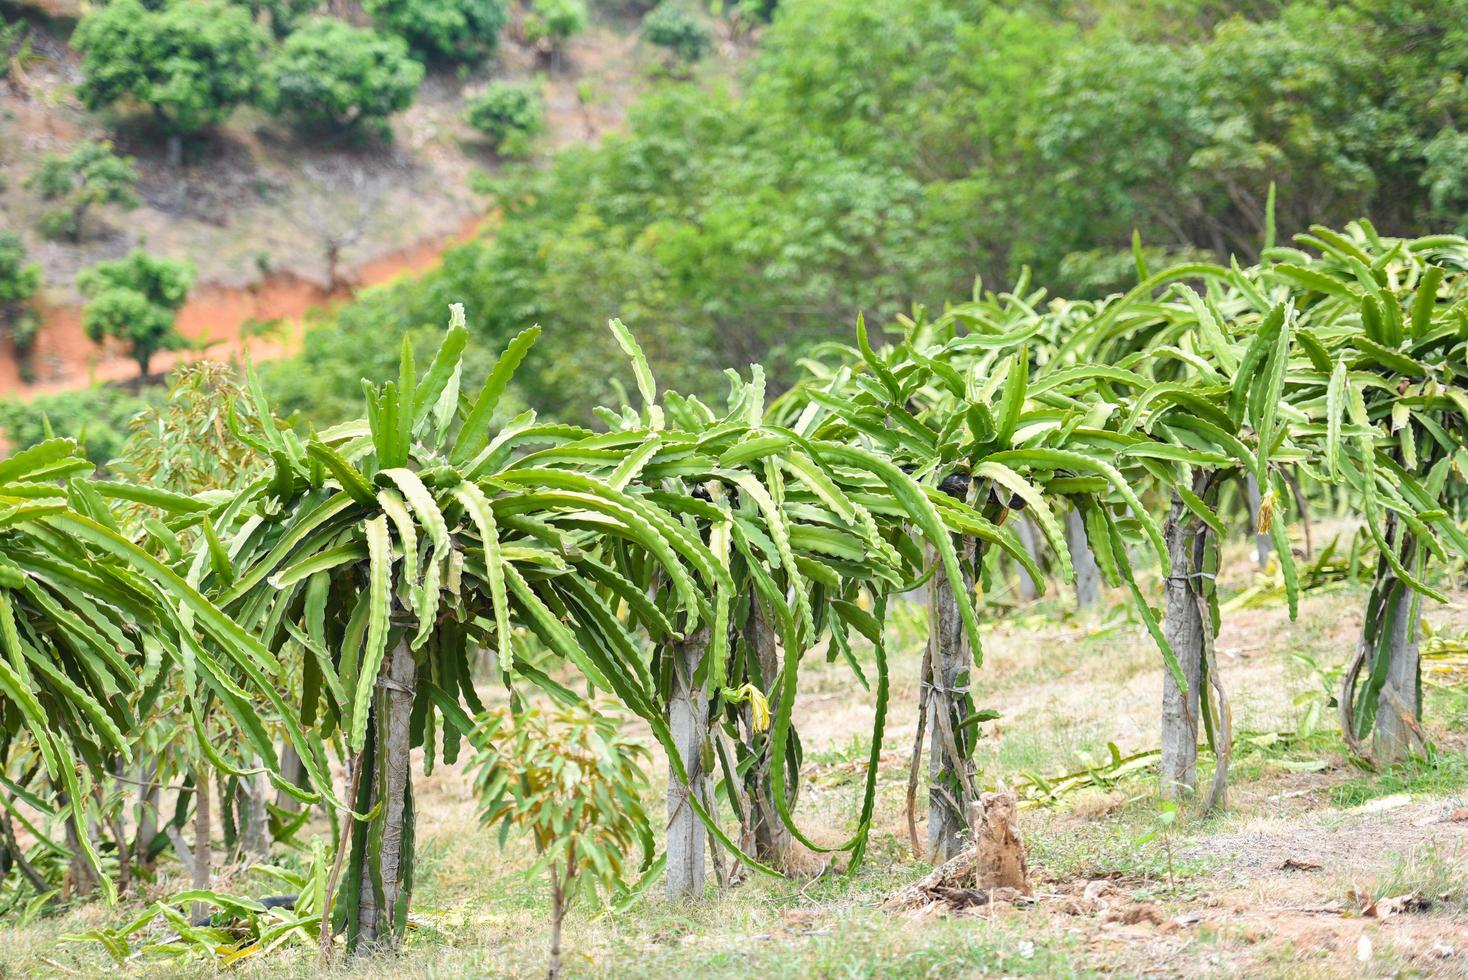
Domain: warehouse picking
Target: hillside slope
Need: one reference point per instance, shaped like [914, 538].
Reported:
[277, 220]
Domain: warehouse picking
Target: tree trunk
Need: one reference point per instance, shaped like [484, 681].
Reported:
[1183, 627]
[771, 836]
[950, 754]
[78, 216]
[150, 795]
[558, 913]
[144, 360]
[175, 150]
[1088, 573]
[384, 846]
[1262, 542]
[255, 829]
[1398, 704]
[203, 828]
[293, 772]
[1388, 702]
[1029, 589]
[81, 877]
[688, 722]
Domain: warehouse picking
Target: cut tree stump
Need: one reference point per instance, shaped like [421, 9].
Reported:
[993, 869]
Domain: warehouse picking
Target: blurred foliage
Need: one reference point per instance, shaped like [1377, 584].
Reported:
[89, 175]
[510, 114]
[97, 418]
[554, 21]
[460, 30]
[284, 15]
[189, 61]
[673, 26]
[883, 153]
[329, 72]
[323, 384]
[19, 281]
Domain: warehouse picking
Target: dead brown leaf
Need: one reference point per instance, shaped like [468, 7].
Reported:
[1386, 907]
[1296, 864]
[1136, 914]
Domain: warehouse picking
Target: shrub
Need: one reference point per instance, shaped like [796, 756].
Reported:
[19, 281]
[90, 174]
[136, 299]
[510, 114]
[328, 72]
[456, 29]
[190, 61]
[96, 417]
[674, 27]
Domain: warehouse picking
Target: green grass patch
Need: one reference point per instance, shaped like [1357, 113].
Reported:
[1441, 776]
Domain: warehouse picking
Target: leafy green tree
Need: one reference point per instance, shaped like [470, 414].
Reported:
[1124, 124]
[189, 61]
[552, 22]
[136, 300]
[19, 281]
[329, 72]
[672, 26]
[91, 174]
[459, 30]
[509, 113]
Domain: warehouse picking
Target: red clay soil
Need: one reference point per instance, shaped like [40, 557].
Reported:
[64, 359]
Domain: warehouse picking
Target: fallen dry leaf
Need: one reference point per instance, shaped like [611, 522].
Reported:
[795, 918]
[1136, 914]
[1296, 864]
[1385, 908]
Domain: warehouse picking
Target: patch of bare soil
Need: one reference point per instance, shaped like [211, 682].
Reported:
[1272, 902]
[1286, 884]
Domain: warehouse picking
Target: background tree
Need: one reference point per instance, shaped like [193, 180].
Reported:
[509, 113]
[189, 61]
[136, 300]
[19, 281]
[461, 30]
[329, 72]
[91, 174]
[548, 24]
[674, 27]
